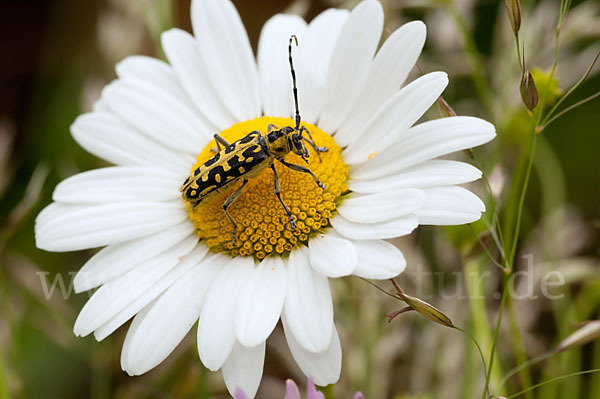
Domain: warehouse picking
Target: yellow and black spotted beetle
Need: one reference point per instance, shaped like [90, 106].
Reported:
[248, 157]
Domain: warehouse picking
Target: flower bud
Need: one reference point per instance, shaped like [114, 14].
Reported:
[427, 310]
[514, 14]
[529, 92]
[589, 332]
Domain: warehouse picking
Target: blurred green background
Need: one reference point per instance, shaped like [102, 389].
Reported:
[56, 57]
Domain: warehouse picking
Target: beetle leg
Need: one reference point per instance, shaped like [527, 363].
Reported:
[278, 194]
[271, 127]
[311, 141]
[302, 169]
[228, 203]
[220, 142]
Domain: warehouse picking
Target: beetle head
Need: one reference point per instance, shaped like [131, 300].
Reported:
[297, 145]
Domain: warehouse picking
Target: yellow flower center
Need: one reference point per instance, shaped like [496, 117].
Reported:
[263, 225]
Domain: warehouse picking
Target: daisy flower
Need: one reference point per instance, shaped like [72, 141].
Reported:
[168, 265]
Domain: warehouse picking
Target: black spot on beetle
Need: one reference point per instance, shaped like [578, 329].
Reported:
[249, 137]
[209, 162]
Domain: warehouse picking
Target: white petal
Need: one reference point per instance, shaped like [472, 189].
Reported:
[308, 305]
[116, 295]
[158, 114]
[244, 368]
[100, 106]
[221, 35]
[320, 40]
[427, 174]
[315, 52]
[381, 207]
[260, 302]
[185, 265]
[332, 256]
[118, 184]
[378, 259]
[324, 367]
[115, 260]
[394, 118]
[151, 71]
[391, 66]
[424, 142]
[195, 74]
[110, 138]
[273, 64]
[365, 231]
[69, 227]
[161, 327]
[449, 206]
[216, 329]
[161, 75]
[135, 323]
[350, 62]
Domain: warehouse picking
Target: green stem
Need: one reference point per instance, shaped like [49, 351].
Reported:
[562, 377]
[486, 388]
[513, 247]
[519, 54]
[550, 77]
[521, 356]
[511, 259]
[476, 344]
[570, 91]
[526, 365]
[569, 108]
[497, 236]
[485, 249]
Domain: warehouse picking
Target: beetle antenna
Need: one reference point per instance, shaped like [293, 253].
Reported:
[294, 79]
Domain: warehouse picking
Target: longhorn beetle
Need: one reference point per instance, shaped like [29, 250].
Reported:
[248, 157]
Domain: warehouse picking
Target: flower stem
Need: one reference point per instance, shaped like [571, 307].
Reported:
[511, 259]
[526, 365]
[569, 108]
[486, 388]
[520, 354]
[513, 247]
[519, 53]
[562, 377]
[546, 121]
[485, 249]
[476, 344]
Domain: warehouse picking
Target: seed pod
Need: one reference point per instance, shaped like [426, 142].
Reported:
[529, 93]
[514, 14]
[427, 310]
[589, 332]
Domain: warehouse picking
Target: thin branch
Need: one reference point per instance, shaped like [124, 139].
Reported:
[570, 91]
[562, 377]
[477, 345]
[380, 289]
[485, 248]
[525, 365]
[569, 108]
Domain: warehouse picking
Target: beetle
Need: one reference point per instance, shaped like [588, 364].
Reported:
[247, 157]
